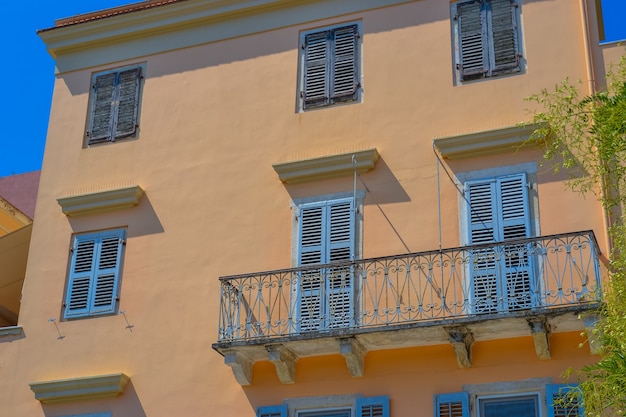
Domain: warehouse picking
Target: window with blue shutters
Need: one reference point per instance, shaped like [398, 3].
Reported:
[114, 105]
[452, 405]
[326, 234]
[487, 38]
[329, 67]
[501, 273]
[563, 401]
[94, 274]
[362, 406]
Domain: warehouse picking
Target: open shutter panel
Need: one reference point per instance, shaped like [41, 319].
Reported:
[482, 222]
[107, 274]
[127, 103]
[340, 248]
[372, 407]
[452, 405]
[505, 45]
[272, 411]
[560, 404]
[312, 226]
[316, 83]
[471, 27]
[102, 108]
[344, 64]
[81, 270]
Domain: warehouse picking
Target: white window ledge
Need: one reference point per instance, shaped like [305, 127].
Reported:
[489, 142]
[325, 167]
[101, 201]
[11, 331]
[80, 389]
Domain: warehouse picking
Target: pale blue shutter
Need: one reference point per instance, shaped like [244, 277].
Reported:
[272, 411]
[82, 268]
[504, 44]
[127, 101]
[312, 247]
[316, 72]
[344, 64]
[339, 282]
[560, 403]
[372, 407]
[498, 211]
[102, 108]
[472, 39]
[452, 405]
[94, 274]
[107, 272]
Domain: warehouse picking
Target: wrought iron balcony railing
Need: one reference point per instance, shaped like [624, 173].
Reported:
[498, 279]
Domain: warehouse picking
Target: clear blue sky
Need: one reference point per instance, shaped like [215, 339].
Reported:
[25, 109]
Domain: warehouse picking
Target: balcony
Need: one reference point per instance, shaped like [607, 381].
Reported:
[530, 286]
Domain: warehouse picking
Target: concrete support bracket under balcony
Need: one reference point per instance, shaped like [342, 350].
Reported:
[285, 362]
[540, 330]
[241, 366]
[590, 320]
[354, 354]
[461, 339]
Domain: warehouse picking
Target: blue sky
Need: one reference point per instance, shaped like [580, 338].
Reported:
[24, 111]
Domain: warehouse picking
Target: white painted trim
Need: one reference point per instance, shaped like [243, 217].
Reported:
[80, 389]
[101, 201]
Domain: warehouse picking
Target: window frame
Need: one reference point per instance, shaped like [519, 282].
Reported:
[330, 97]
[481, 399]
[357, 405]
[489, 68]
[135, 97]
[85, 294]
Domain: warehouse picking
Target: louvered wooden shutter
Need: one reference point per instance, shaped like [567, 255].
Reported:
[339, 280]
[94, 274]
[452, 405]
[272, 411]
[312, 247]
[372, 407]
[504, 43]
[472, 39]
[560, 404]
[344, 64]
[102, 108]
[326, 234]
[127, 103]
[316, 75]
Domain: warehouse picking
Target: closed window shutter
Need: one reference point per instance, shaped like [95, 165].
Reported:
[316, 72]
[312, 247]
[344, 57]
[326, 234]
[499, 211]
[107, 274]
[472, 42]
[94, 274]
[127, 103]
[560, 404]
[452, 405]
[272, 411]
[372, 407]
[81, 272]
[102, 108]
[504, 43]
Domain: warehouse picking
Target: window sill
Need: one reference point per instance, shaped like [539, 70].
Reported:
[11, 331]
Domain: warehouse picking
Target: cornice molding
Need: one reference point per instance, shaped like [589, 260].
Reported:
[101, 201]
[489, 142]
[80, 389]
[325, 167]
[183, 24]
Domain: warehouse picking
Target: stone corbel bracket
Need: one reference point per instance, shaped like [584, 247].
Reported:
[594, 337]
[540, 331]
[461, 339]
[285, 362]
[241, 366]
[354, 354]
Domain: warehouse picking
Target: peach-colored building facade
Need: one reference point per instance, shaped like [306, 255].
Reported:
[306, 208]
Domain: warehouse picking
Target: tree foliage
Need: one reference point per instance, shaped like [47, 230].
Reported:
[586, 137]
